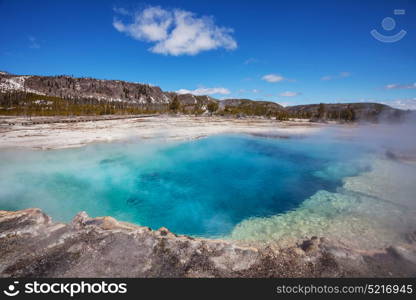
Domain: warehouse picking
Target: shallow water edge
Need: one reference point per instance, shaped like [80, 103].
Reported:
[200, 188]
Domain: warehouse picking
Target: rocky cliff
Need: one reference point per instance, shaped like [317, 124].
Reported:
[71, 87]
[90, 91]
[31, 245]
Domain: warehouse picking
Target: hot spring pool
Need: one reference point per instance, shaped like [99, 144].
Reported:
[203, 187]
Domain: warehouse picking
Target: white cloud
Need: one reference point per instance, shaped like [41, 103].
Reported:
[405, 104]
[121, 11]
[177, 32]
[272, 78]
[400, 86]
[205, 91]
[391, 86]
[33, 43]
[402, 103]
[289, 94]
[326, 78]
[340, 75]
[284, 104]
[251, 61]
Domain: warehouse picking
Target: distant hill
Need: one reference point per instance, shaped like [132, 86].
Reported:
[250, 107]
[346, 111]
[67, 95]
[192, 103]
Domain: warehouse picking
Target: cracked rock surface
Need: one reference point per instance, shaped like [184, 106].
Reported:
[31, 245]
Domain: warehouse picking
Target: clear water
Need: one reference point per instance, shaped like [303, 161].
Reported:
[203, 187]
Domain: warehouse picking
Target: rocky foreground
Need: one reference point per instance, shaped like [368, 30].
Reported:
[31, 245]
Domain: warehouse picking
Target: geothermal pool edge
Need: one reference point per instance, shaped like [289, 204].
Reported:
[104, 247]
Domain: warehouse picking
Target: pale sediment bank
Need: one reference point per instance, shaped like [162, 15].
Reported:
[67, 135]
[373, 210]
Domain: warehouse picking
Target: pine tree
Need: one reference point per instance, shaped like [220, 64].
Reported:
[175, 105]
[321, 111]
[212, 107]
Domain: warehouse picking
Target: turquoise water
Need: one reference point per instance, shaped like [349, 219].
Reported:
[202, 187]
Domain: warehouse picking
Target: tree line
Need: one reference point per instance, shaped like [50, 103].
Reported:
[30, 104]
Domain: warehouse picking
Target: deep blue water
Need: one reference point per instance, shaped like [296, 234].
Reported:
[202, 187]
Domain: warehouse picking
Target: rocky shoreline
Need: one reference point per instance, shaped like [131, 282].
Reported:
[32, 245]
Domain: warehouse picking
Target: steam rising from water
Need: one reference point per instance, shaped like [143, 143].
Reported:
[370, 210]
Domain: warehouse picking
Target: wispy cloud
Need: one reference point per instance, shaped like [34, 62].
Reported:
[405, 104]
[245, 91]
[289, 94]
[400, 86]
[176, 32]
[205, 91]
[121, 11]
[273, 78]
[402, 103]
[33, 43]
[284, 103]
[340, 75]
[251, 60]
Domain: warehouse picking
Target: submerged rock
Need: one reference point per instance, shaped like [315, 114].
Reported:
[31, 245]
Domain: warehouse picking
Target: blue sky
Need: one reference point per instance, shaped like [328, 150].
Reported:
[290, 52]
